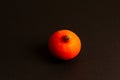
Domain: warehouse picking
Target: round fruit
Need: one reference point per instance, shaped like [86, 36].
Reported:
[64, 44]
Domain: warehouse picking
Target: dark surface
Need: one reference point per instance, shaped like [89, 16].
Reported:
[30, 24]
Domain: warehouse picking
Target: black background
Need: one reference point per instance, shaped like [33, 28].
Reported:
[30, 24]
